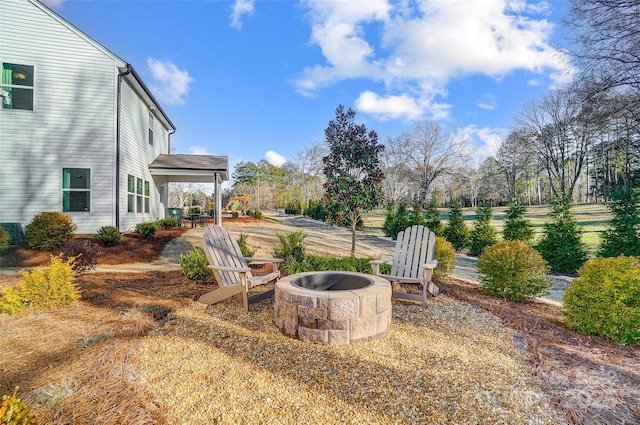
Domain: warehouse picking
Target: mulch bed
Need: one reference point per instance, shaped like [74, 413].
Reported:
[592, 379]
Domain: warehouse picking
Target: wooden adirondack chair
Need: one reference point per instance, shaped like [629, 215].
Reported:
[231, 270]
[412, 262]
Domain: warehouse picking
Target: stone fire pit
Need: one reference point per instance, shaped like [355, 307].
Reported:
[334, 308]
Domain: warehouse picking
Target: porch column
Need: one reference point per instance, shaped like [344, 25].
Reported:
[218, 201]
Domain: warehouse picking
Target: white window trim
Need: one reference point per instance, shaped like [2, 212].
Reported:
[33, 87]
[62, 190]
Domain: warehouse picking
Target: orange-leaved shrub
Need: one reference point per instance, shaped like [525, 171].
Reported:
[513, 270]
[605, 299]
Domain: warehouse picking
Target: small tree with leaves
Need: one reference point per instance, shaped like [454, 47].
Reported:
[516, 227]
[622, 237]
[416, 217]
[401, 220]
[388, 219]
[433, 221]
[483, 234]
[560, 245]
[456, 230]
[352, 169]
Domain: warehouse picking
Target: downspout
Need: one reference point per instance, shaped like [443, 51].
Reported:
[118, 107]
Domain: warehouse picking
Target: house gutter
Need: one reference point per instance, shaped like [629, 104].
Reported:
[118, 109]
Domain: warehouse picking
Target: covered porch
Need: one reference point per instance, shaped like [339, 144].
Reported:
[167, 168]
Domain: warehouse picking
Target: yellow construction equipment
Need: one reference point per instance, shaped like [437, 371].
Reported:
[241, 200]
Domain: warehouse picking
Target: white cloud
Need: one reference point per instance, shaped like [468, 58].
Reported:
[488, 102]
[198, 150]
[484, 141]
[170, 84]
[240, 8]
[389, 107]
[274, 158]
[417, 47]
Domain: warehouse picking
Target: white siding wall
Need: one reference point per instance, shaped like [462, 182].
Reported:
[136, 153]
[73, 124]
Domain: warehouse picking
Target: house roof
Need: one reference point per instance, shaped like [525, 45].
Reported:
[190, 168]
[132, 77]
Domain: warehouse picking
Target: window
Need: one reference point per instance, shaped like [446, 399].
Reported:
[131, 193]
[76, 189]
[17, 86]
[139, 207]
[146, 196]
[150, 128]
[137, 195]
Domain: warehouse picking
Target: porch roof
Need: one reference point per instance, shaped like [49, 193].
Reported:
[190, 168]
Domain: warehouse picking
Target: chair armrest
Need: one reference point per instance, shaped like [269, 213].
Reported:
[230, 269]
[264, 260]
[430, 265]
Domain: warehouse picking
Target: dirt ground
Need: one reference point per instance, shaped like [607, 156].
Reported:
[69, 376]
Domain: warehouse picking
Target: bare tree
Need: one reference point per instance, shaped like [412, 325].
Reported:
[398, 184]
[430, 152]
[607, 35]
[179, 193]
[560, 127]
[514, 156]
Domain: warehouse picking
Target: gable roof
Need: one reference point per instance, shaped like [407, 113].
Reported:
[126, 70]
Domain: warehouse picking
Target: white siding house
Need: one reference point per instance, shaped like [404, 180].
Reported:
[79, 129]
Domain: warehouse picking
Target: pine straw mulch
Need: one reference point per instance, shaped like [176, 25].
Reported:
[132, 248]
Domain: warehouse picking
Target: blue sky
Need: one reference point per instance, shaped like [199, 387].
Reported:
[261, 79]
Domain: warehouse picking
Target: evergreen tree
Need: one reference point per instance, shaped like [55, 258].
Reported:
[560, 245]
[623, 234]
[388, 220]
[456, 231]
[433, 217]
[516, 226]
[416, 217]
[483, 234]
[352, 169]
[401, 220]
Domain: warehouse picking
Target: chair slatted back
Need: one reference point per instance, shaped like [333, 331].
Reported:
[222, 250]
[414, 247]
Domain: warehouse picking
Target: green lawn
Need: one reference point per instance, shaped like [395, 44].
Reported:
[593, 218]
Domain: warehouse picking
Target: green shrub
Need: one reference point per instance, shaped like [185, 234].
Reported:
[512, 270]
[293, 207]
[49, 230]
[446, 256]
[45, 287]
[195, 265]
[235, 214]
[622, 236]
[560, 245]
[168, 223]
[292, 247]
[242, 243]
[83, 254]
[296, 267]
[258, 215]
[316, 210]
[483, 234]
[109, 235]
[4, 240]
[516, 227]
[456, 230]
[605, 299]
[15, 412]
[147, 229]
